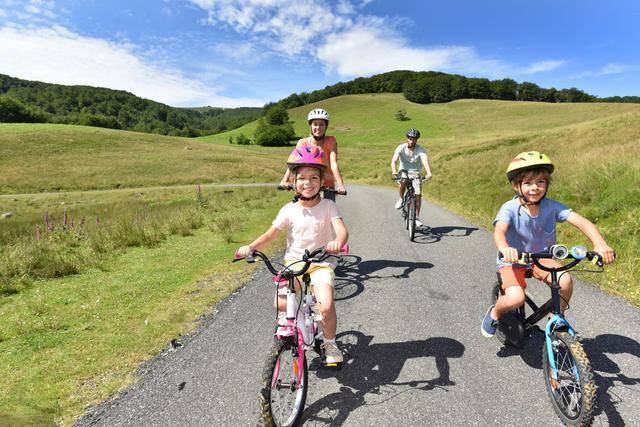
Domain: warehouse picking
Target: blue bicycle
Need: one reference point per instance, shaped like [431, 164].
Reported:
[567, 371]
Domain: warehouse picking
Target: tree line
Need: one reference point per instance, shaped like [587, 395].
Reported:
[426, 87]
[33, 102]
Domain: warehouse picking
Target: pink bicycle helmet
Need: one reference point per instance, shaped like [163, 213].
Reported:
[307, 155]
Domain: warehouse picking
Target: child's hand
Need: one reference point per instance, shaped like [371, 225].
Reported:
[608, 255]
[333, 247]
[509, 254]
[244, 251]
[427, 177]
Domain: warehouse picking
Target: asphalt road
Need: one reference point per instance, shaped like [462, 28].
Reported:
[409, 322]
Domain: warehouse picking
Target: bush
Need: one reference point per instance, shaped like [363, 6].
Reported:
[273, 136]
[401, 115]
[242, 139]
[12, 111]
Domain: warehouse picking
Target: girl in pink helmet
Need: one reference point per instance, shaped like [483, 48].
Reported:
[310, 223]
[318, 120]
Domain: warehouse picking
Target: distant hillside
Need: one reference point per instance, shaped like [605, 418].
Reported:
[32, 101]
[426, 87]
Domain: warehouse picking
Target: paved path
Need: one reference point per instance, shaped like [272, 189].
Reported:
[409, 321]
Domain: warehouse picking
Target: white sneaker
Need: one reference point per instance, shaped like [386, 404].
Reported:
[398, 204]
[332, 353]
[419, 223]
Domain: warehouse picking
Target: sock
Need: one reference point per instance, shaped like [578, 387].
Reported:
[333, 341]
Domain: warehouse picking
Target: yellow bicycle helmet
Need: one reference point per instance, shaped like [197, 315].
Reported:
[528, 160]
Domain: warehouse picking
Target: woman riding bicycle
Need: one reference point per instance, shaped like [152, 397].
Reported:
[318, 120]
[412, 158]
[527, 223]
[311, 222]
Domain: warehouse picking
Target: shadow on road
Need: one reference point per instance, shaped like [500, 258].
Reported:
[427, 234]
[352, 272]
[606, 371]
[371, 371]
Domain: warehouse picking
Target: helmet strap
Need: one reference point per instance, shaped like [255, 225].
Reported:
[526, 202]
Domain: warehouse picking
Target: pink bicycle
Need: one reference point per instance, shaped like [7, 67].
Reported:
[285, 374]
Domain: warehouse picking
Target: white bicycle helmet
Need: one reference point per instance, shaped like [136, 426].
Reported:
[318, 113]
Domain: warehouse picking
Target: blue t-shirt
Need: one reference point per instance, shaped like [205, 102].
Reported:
[531, 234]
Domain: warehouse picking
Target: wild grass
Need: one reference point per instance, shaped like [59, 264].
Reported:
[72, 340]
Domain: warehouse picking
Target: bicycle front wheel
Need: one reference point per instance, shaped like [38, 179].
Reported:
[284, 385]
[411, 222]
[573, 393]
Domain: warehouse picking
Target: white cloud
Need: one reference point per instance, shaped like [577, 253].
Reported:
[613, 68]
[57, 55]
[349, 44]
[367, 50]
[544, 66]
[3, 14]
[606, 70]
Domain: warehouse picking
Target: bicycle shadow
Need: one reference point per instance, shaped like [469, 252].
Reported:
[426, 234]
[371, 372]
[597, 349]
[352, 272]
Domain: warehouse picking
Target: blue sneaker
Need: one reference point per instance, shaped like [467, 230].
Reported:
[489, 325]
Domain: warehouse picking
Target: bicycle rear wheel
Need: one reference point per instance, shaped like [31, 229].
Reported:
[411, 222]
[284, 385]
[573, 393]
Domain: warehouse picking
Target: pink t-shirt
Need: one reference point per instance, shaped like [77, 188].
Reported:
[307, 228]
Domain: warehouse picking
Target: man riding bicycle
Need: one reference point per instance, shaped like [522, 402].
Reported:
[412, 158]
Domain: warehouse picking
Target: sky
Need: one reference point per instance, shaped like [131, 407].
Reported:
[230, 53]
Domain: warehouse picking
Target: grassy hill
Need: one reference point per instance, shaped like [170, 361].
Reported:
[596, 147]
[132, 300]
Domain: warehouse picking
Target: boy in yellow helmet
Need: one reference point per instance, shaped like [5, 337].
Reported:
[527, 223]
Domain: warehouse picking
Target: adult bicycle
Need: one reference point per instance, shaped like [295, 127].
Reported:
[285, 374]
[409, 201]
[567, 371]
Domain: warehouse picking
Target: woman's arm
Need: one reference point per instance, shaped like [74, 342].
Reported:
[591, 231]
[333, 162]
[286, 178]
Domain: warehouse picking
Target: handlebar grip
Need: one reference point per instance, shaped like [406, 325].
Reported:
[344, 248]
[285, 187]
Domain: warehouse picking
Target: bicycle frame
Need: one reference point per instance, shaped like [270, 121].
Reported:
[553, 304]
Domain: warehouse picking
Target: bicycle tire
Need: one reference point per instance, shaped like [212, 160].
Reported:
[573, 401]
[411, 228]
[285, 352]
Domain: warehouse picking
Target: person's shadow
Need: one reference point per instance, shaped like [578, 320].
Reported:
[374, 369]
[351, 273]
[426, 234]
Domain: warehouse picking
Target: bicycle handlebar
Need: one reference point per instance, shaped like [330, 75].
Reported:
[576, 253]
[406, 176]
[316, 255]
[290, 187]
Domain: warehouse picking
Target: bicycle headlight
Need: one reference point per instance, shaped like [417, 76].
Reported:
[579, 252]
[559, 251]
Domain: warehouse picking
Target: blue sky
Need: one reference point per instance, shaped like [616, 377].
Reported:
[247, 52]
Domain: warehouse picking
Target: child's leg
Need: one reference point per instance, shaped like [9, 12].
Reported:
[513, 284]
[566, 283]
[326, 307]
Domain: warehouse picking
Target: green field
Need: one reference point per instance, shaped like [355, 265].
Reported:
[129, 303]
